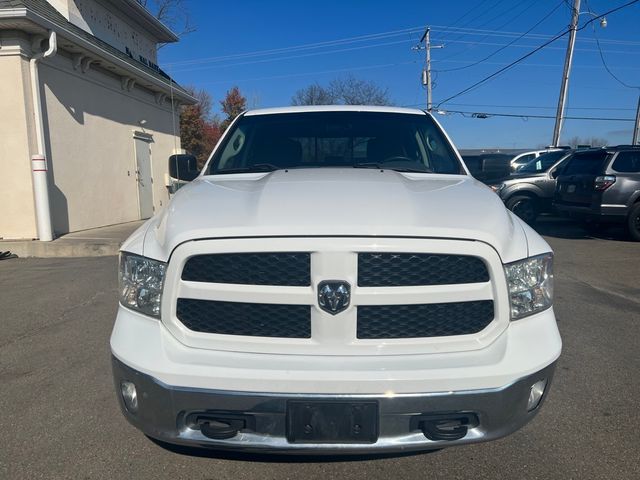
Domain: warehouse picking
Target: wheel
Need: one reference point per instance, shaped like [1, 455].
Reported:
[633, 222]
[525, 207]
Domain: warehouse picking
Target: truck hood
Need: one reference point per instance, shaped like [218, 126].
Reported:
[327, 202]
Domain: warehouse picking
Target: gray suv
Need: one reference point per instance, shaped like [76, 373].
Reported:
[530, 191]
[602, 186]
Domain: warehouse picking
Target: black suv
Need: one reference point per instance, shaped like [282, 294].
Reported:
[530, 191]
[602, 186]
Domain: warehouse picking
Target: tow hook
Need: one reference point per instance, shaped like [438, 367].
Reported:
[220, 426]
[446, 426]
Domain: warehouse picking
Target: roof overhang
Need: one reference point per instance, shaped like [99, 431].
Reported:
[32, 22]
[141, 15]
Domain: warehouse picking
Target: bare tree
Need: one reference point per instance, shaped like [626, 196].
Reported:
[347, 91]
[173, 13]
[205, 102]
[314, 94]
[592, 141]
[355, 91]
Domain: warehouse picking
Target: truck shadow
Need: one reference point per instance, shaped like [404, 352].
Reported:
[550, 226]
[275, 458]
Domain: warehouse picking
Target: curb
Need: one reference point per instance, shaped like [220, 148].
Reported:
[35, 248]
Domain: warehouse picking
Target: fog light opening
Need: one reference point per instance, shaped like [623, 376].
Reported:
[535, 394]
[129, 395]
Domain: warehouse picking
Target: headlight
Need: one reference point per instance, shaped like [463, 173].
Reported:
[141, 281]
[497, 188]
[530, 284]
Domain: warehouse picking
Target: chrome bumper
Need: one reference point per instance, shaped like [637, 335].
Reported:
[164, 413]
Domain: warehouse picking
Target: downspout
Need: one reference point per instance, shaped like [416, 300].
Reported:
[39, 160]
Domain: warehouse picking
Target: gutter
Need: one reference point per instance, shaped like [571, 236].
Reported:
[13, 12]
[39, 160]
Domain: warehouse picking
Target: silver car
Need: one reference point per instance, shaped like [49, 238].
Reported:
[530, 191]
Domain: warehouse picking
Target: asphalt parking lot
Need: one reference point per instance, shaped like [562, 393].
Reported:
[59, 417]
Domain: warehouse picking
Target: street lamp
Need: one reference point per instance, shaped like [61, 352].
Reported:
[603, 20]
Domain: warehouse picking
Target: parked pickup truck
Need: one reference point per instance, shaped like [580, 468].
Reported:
[333, 281]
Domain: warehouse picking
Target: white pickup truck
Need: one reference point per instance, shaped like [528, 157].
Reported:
[333, 281]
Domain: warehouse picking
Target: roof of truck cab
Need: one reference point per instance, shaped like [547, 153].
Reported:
[334, 108]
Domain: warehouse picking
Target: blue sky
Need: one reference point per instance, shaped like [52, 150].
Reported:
[470, 30]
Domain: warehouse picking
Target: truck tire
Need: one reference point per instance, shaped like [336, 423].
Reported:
[633, 222]
[525, 207]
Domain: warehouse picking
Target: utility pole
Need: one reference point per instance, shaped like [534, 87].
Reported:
[564, 87]
[426, 73]
[636, 128]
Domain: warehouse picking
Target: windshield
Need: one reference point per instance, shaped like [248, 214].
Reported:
[396, 141]
[544, 162]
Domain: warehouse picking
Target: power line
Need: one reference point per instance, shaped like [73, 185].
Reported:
[508, 22]
[604, 63]
[494, 44]
[342, 50]
[379, 36]
[503, 69]
[538, 107]
[506, 45]
[307, 46]
[489, 9]
[539, 36]
[552, 65]
[537, 49]
[319, 72]
[475, 7]
[290, 57]
[485, 115]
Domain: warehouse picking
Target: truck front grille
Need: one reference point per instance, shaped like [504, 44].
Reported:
[263, 268]
[424, 320]
[249, 319]
[413, 269]
[405, 295]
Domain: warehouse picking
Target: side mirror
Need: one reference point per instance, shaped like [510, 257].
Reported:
[183, 167]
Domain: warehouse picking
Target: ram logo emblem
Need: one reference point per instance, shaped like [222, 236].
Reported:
[334, 296]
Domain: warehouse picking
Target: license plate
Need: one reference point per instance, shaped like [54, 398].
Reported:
[332, 422]
[571, 188]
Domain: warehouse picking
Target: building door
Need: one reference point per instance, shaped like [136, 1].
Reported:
[143, 174]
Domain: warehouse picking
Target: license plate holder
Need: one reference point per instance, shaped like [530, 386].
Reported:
[332, 422]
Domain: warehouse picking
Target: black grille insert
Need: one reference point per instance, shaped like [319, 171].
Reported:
[424, 320]
[249, 319]
[264, 268]
[413, 269]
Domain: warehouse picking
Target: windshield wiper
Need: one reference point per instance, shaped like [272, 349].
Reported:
[381, 166]
[412, 170]
[258, 167]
